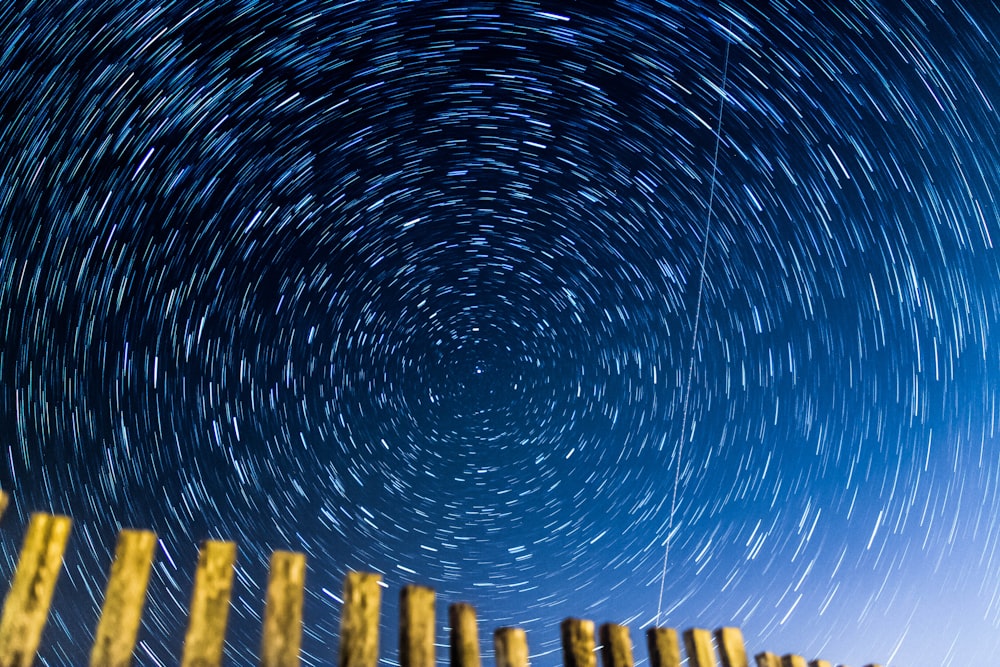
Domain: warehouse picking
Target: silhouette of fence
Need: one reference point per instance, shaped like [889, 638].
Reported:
[26, 609]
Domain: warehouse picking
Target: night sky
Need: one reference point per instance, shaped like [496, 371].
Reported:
[419, 288]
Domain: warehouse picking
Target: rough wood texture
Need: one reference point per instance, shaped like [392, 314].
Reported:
[464, 645]
[416, 627]
[4, 501]
[359, 620]
[511, 647]
[767, 659]
[281, 639]
[27, 605]
[578, 643]
[731, 648]
[664, 648]
[791, 660]
[698, 643]
[124, 598]
[616, 646]
[213, 585]
[820, 663]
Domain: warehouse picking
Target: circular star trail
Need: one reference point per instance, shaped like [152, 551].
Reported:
[414, 288]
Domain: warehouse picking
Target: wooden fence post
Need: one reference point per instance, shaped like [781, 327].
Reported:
[27, 605]
[791, 660]
[664, 649]
[731, 648]
[767, 659]
[4, 501]
[359, 620]
[464, 644]
[616, 646]
[281, 638]
[124, 598]
[820, 663]
[511, 647]
[578, 643]
[416, 627]
[213, 585]
[698, 643]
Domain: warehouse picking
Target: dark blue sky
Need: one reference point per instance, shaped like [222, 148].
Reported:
[414, 288]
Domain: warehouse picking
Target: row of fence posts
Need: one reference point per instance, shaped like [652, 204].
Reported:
[26, 609]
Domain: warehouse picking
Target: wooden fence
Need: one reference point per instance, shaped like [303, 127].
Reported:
[26, 609]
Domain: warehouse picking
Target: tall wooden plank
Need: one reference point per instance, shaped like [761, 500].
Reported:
[820, 663]
[281, 638]
[213, 586]
[792, 660]
[874, 664]
[359, 620]
[27, 605]
[124, 599]
[464, 641]
[416, 627]
[616, 646]
[578, 643]
[698, 643]
[664, 648]
[4, 501]
[511, 647]
[731, 648]
[767, 659]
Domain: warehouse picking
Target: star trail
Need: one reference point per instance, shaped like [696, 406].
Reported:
[412, 287]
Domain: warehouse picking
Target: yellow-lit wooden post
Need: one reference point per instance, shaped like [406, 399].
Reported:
[873, 665]
[281, 639]
[213, 586]
[464, 640]
[124, 599]
[4, 501]
[616, 646]
[416, 627]
[664, 648]
[792, 660]
[578, 643]
[767, 659]
[27, 605]
[820, 663]
[698, 643]
[511, 647]
[731, 649]
[359, 620]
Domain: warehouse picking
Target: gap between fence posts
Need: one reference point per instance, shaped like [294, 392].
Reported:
[26, 608]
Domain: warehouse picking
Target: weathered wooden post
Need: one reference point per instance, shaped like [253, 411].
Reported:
[873, 665]
[416, 627]
[213, 586]
[464, 644]
[767, 659]
[731, 647]
[124, 599]
[664, 649]
[616, 646]
[281, 638]
[820, 663]
[698, 643]
[792, 660]
[578, 643]
[27, 605]
[359, 620]
[511, 647]
[4, 501]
